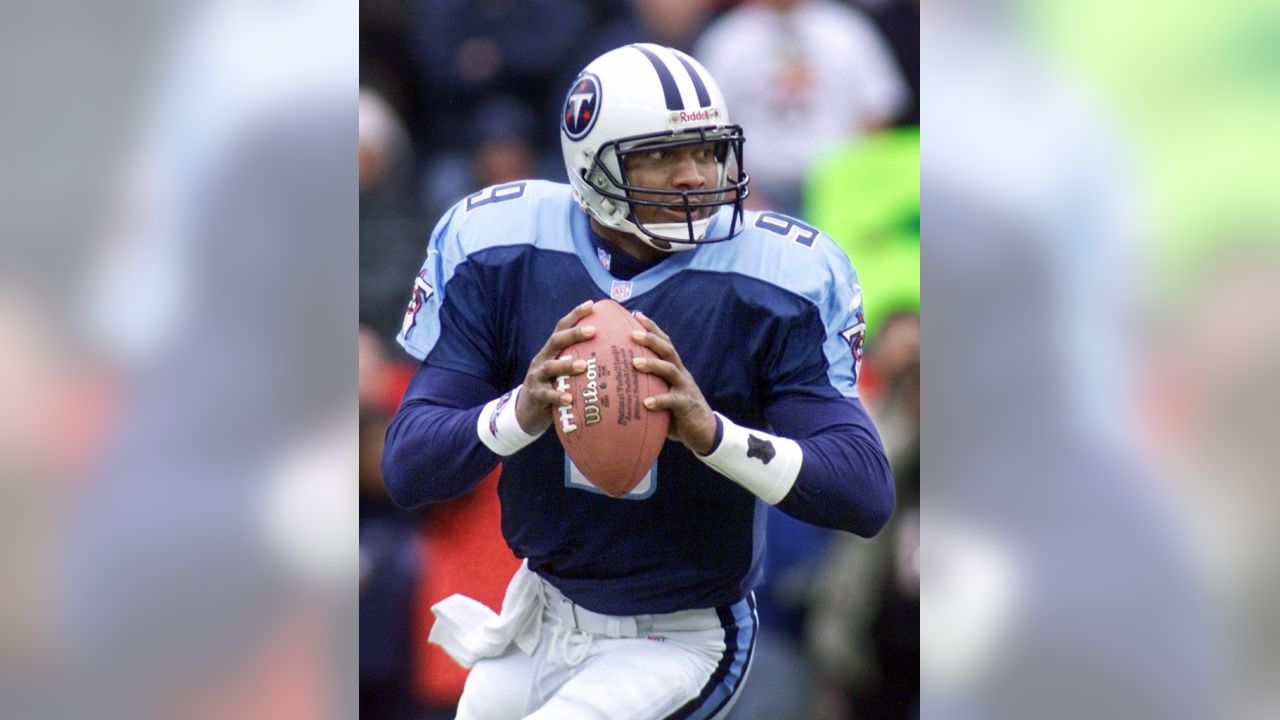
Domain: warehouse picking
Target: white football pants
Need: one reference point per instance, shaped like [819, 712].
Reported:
[587, 666]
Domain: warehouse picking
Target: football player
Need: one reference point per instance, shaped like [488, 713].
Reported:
[640, 606]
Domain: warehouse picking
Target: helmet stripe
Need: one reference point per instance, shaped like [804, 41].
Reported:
[704, 98]
[669, 89]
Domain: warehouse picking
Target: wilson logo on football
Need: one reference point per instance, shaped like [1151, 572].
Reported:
[590, 398]
[591, 395]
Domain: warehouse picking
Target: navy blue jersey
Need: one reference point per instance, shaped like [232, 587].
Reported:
[769, 325]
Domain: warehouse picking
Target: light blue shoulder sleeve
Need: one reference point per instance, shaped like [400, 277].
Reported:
[421, 325]
[827, 278]
[512, 213]
[846, 326]
[800, 259]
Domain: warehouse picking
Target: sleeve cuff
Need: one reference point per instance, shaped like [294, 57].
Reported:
[498, 428]
[715, 444]
[764, 464]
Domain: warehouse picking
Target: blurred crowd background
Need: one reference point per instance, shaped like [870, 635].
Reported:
[179, 283]
[458, 95]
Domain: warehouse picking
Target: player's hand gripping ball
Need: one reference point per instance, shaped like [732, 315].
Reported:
[609, 434]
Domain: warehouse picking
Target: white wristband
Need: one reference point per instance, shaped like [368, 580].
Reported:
[498, 428]
[766, 465]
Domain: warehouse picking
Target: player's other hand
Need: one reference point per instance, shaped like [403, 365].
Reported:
[692, 422]
[539, 396]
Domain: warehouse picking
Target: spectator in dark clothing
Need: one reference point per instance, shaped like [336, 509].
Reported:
[391, 228]
[899, 23]
[466, 51]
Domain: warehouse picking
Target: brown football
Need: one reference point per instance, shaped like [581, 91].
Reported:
[610, 436]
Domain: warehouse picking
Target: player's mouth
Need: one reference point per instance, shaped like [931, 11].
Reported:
[678, 216]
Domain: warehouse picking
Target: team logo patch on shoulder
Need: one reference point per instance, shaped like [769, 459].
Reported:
[854, 336]
[581, 107]
[421, 291]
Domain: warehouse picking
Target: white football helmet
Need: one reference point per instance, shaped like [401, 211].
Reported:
[647, 97]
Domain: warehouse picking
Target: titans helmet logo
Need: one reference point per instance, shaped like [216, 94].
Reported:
[581, 107]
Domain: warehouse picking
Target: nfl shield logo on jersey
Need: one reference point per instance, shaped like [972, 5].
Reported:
[621, 290]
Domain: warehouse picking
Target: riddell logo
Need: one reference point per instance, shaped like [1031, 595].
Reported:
[685, 116]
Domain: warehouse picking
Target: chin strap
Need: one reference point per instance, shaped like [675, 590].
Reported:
[676, 241]
[670, 231]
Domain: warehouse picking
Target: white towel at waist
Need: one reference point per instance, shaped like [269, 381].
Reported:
[469, 631]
